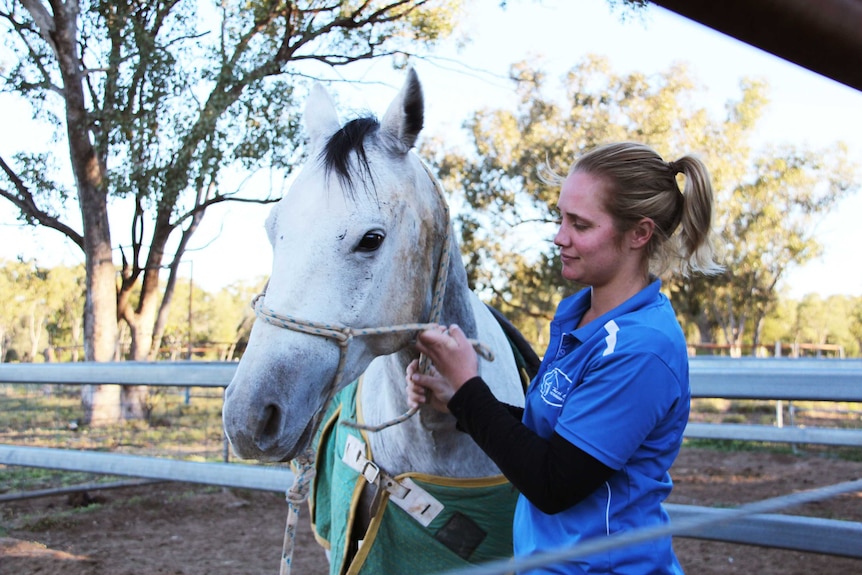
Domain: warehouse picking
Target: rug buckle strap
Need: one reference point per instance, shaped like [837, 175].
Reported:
[418, 503]
[406, 494]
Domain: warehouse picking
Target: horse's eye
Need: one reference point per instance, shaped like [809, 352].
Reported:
[370, 242]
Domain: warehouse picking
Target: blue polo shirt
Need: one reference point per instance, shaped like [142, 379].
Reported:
[617, 388]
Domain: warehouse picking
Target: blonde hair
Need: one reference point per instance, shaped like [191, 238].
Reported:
[640, 184]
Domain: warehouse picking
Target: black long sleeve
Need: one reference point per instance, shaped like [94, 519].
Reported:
[552, 474]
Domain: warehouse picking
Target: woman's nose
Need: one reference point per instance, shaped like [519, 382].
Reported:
[560, 238]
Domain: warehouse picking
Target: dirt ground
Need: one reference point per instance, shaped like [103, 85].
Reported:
[184, 529]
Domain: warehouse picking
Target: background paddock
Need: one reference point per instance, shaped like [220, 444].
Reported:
[749, 414]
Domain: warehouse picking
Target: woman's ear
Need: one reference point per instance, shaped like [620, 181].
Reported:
[641, 233]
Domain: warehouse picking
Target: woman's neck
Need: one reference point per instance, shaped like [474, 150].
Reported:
[605, 298]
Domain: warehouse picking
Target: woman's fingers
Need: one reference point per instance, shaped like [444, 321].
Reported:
[457, 335]
[415, 393]
[451, 353]
[431, 341]
[440, 343]
[454, 362]
[427, 388]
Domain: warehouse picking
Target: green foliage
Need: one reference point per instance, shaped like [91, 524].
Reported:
[43, 308]
[855, 328]
[220, 322]
[41, 319]
[834, 321]
[766, 224]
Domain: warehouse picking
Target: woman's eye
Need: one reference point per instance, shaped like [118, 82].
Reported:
[370, 242]
[580, 224]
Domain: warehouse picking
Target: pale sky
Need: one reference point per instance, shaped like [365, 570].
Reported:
[805, 109]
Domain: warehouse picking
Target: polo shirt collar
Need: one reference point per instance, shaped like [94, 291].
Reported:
[581, 302]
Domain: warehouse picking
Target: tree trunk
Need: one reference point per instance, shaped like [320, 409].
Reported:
[76, 338]
[136, 398]
[101, 403]
[704, 328]
[35, 331]
[60, 29]
[755, 336]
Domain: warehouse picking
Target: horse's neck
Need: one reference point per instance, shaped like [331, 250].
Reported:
[458, 305]
[429, 441]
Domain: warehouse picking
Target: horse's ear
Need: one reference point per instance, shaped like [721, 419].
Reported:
[406, 114]
[321, 119]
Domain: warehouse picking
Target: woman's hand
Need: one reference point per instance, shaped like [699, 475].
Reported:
[421, 388]
[454, 360]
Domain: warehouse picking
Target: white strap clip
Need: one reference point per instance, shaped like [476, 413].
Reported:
[370, 471]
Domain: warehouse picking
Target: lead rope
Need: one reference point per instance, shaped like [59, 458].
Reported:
[296, 496]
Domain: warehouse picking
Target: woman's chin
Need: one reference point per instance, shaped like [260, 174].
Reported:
[571, 275]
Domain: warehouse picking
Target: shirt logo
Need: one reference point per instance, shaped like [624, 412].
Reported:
[612, 328]
[555, 386]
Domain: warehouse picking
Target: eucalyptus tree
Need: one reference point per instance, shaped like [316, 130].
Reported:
[13, 276]
[826, 321]
[766, 200]
[230, 318]
[155, 102]
[41, 309]
[64, 298]
[34, 307]
[767, 225]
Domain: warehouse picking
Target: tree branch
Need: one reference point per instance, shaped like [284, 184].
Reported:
[23, 200]
[43, 20]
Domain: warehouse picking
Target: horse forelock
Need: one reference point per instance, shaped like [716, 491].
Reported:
[342, 145]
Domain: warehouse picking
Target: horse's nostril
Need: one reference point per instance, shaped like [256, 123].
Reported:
[270, 424]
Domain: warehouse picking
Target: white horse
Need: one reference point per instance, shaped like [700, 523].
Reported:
[363, 250]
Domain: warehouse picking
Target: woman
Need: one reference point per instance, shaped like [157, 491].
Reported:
[605, 415]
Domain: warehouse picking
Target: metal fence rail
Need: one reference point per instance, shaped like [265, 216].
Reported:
[776, 379]
[711, 377]
[170, 374]
[785, 379]
[767, 378]
[238, 475]
[771, 434]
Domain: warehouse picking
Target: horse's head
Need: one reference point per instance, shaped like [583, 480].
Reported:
[355, 244]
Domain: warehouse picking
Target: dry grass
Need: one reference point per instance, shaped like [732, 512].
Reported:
[50, 416]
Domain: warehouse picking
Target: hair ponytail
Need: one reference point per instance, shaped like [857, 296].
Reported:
[696, 222]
